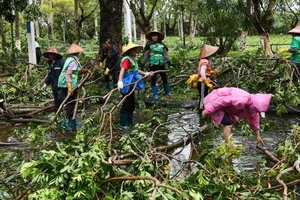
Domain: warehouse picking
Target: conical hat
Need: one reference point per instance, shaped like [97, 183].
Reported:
[208, 50]
[74, 48]
[52, 51]
[295, 30]
[132, 46]
[159, 35]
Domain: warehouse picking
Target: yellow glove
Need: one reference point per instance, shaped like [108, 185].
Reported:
[208, 84]
[101, 65]
[280, 51]
[192, 78]
[285, 58]
[194, 85]
[69, 86]
[193, 81]
[106, 71]
[215, 72]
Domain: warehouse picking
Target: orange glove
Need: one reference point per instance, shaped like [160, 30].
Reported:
[208, 84]
[215, 72]
[84, 71]
[69, 86]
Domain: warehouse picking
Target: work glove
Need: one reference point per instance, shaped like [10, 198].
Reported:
[84, 71]
[215, 72]
[44, 86]
[120, 85]
[106, 71]
[280, 51]
[69, 86]
[208, 84]
[193, 81]
[101, 65]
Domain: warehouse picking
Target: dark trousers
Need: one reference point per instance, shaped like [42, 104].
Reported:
[38, 54]
[163, 75]
[128, 105]
[62, 94]
[203, 92]
[113, 73]
[296, 72]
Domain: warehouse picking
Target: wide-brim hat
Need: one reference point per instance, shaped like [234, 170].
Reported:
[132, 46]
[52, 51]
[295, 30]
[208, 50]
[74, 48]
[159, 35]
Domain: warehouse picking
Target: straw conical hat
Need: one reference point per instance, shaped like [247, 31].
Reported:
[295, 30]
[74, 48]
[132, 46]
[208, 50]
[159, 35]
[52, 51]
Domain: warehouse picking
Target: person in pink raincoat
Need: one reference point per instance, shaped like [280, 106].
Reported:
[226, 105]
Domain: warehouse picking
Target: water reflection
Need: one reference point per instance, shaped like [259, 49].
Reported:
[180, 125]
[186, 122]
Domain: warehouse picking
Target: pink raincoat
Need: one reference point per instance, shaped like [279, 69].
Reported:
[237, 103]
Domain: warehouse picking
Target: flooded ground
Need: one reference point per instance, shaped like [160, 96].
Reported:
[187, 122]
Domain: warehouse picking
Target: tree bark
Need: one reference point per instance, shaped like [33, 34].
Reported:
[111, 22]
[261, 15]
[3, 38]
[244, 35]
[17, 30]
[141, 17]
[191, 28]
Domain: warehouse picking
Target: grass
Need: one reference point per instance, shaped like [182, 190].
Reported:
[252, 44]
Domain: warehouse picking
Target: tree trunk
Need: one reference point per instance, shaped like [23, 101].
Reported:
[51, 22]
[111, 22]
[182, 27]
[262, 19]
[76, 19]
[17, 31]
[3, 38]
[191, 28]
[265, 41]
[244, 35]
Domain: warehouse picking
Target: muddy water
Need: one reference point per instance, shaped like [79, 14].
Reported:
[6, 133]
[187, 122]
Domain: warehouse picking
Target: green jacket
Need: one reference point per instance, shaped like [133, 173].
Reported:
[295, 57]
[156, 54]
[133, 65]
[62, 77]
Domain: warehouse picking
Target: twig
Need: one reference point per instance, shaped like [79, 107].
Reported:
[156, 181]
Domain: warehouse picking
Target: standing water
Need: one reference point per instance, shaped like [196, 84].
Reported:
[186, 122]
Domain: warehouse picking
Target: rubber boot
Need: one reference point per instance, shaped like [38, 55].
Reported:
[130, 119]
[68, 126]
[155, 92]
[167, 89]
[74, 122]
[107, 87]
[124, 121]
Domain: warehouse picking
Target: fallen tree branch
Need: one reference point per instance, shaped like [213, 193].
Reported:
[135, 178]
[295, 167]
[116, 160]
[268, 153]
